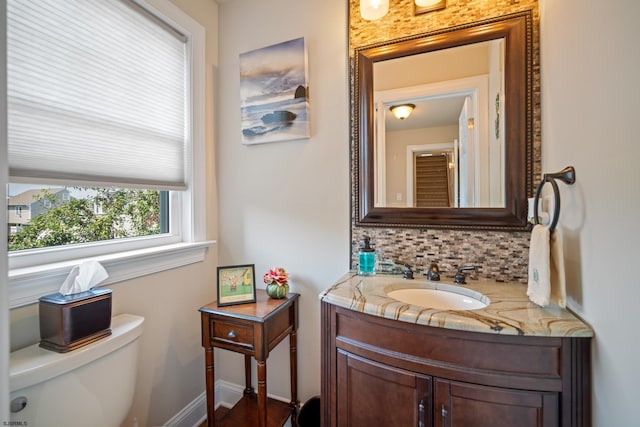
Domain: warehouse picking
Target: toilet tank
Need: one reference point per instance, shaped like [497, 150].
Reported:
[90, 386]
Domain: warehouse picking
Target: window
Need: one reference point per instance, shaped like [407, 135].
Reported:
[91, 215]
[125, 118]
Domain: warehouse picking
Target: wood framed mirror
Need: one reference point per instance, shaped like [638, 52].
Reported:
[487, 189]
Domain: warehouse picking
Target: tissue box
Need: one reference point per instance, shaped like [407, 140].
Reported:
[68, 322]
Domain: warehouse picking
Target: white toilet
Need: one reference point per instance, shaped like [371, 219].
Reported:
[90, 386]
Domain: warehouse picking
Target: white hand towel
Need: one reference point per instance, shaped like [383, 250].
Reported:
[539, 287]
[546, 267]
[558, 284]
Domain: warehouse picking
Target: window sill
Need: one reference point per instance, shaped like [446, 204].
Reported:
[27, 285]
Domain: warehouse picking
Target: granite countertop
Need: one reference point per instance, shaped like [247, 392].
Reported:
[510, 312]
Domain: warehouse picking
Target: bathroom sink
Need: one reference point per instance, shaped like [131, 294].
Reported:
[441, 299]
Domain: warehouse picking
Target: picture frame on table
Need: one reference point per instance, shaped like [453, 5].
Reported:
[236, 284]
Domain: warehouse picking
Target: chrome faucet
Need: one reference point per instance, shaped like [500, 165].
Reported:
[433, 273]
[408, 272]
[460, 277]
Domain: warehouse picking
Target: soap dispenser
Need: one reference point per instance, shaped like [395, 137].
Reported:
[366, 259]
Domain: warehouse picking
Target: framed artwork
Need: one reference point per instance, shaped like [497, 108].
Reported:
[274, 93]
[236, 284]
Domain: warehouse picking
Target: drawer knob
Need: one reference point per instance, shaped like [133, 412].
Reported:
[232, 334]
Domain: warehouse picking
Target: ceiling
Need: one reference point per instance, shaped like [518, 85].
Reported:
[429, 112]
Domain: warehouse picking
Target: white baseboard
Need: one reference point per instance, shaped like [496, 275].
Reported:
[227, 395]
[191, 415]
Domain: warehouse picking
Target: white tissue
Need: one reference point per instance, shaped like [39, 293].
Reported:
[83, 277]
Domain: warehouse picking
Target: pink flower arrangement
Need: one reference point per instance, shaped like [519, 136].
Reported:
[276, 275]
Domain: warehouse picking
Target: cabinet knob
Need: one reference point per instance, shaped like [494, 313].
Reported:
[421, 414]
[232, 334]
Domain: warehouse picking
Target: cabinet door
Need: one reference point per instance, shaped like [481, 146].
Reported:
[372, 394]
[461, 405]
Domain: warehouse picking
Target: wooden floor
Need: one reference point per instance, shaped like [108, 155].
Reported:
[220, 412]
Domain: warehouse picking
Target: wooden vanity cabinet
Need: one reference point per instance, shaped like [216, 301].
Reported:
[458, 404]
[373, 394]
[377, 371]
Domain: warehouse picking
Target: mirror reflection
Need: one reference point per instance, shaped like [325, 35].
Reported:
[448, 149]
[482, 155]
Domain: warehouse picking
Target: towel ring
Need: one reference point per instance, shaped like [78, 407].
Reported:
[566, 175]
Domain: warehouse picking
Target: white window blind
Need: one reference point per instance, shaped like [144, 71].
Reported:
[97, 95]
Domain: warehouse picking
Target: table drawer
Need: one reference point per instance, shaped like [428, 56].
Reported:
[231, 332]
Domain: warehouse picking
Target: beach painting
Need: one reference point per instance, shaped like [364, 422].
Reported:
[274, 93]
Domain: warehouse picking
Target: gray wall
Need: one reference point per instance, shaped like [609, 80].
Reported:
[590, 90]
[286, 203]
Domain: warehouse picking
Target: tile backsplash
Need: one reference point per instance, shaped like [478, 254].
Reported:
[499, 255]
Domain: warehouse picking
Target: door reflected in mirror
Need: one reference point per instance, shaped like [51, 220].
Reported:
[449, 151]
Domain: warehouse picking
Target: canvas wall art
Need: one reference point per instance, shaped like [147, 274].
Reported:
[274, 93]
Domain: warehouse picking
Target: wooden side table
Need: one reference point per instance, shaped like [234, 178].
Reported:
[253, 330]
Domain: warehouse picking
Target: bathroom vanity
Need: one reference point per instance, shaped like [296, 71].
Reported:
[512, 363]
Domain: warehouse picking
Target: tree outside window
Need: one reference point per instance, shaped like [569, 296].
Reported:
[98, 214]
